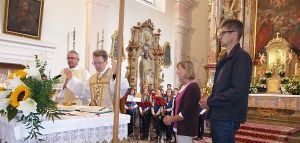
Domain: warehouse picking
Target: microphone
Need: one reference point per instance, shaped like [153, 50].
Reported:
[57, 77]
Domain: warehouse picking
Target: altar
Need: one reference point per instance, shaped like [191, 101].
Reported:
[276, 107]
[68, 129]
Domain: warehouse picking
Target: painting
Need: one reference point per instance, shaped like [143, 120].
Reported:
[167, 54]
[24, 18]
[276, 17]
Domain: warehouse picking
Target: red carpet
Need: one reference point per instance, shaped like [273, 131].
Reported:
[264, 133]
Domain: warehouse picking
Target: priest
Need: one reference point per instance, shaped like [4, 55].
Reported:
[99, 89]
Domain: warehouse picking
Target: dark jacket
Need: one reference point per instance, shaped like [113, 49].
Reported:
[189, 109]
[229, 98]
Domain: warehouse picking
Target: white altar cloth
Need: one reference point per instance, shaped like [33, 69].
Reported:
[69, 129]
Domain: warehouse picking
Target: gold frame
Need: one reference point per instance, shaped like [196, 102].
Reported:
[114, 47]
[167, 45]
[16, 17]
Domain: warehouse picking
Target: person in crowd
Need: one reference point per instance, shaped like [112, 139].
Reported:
[157, 113]
[186, 107]
[100, 87]
[145, 114]
[81, 74]
[175, 92]
[130, 108]
[169, 86]
[168, 111]
[228, 102]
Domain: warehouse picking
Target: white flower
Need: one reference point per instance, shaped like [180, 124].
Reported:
[4, 102]
[33, 72]
[14, 83]
[3, 94]
[27, 106]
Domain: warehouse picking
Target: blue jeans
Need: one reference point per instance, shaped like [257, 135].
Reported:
[223, 131]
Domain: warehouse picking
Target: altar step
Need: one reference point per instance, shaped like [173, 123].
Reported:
[265, 133]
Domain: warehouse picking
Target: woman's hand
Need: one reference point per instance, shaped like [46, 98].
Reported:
[168, 120]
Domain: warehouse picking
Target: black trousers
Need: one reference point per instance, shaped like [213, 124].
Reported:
[145, 124]
[201, 126]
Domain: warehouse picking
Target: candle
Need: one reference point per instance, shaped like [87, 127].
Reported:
[74, 39]
[254, 71]
[296, 68]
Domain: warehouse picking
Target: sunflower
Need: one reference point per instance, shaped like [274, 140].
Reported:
[21, 93]
[11, 76]
[21, 74]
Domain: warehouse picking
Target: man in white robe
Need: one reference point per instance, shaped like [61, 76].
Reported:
[81, 74]
[100, 87]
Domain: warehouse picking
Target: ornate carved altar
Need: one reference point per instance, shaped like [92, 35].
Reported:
[144, 41]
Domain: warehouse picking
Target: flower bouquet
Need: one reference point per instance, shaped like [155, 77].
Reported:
[28, 98]
[292, 87]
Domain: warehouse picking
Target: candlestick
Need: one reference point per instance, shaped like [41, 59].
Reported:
[102, 39]
[74, 39]
[97, 40]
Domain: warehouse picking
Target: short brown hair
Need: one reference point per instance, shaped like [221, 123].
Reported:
[234, 25]
[100, 53]
[188, 66]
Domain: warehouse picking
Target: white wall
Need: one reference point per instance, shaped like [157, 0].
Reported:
[139, 12]
[61, 16]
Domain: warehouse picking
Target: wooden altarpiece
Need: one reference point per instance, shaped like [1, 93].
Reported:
[143, 38]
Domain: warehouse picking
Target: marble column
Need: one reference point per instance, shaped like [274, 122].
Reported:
[182, 27]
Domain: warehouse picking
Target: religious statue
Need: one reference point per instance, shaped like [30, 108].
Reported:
[290, 57]
[262, 58]
[146, 69]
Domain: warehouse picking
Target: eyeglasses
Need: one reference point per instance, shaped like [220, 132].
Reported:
[224, 32]
[97, 63]
[71, 58]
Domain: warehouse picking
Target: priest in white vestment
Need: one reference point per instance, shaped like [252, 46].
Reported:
[100, 87]
[70, 96]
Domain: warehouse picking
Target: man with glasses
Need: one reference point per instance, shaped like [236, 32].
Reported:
[228, 102]
[69, 96]
[100, 86]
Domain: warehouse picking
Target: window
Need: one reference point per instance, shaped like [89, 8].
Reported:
[156, 4]
[149, 1]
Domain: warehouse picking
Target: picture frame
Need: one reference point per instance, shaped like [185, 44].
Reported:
[167, 54]
[23, 18]
[273, 18]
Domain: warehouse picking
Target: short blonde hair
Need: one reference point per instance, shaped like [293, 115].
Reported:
[188, 66]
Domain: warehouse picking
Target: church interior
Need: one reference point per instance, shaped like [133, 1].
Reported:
[159, 34]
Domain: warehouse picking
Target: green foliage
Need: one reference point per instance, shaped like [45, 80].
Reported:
[41, 92]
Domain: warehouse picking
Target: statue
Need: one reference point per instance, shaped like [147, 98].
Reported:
[290, 57]
[146, 69]
[262, 58]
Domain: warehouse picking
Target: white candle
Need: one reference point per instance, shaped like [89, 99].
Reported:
[254, 71]
[296, 68]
